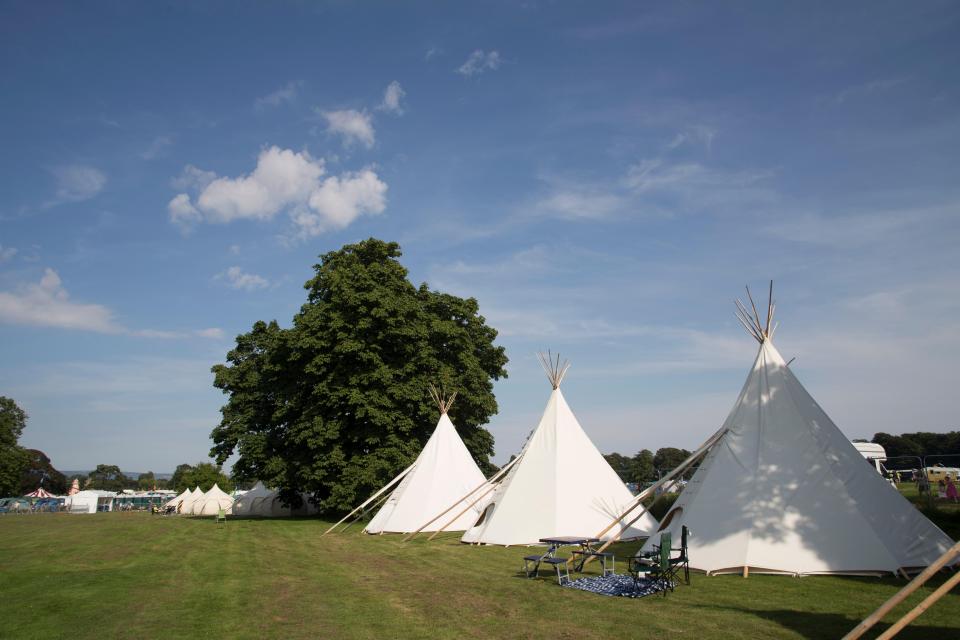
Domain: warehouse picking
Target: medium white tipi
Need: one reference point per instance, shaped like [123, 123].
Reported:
[560, 486]
[784, 491]
[443, 472]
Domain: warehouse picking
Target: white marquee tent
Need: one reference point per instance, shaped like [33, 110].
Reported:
[442, 474]
[784, 491]
[560, 486]
[210, 503]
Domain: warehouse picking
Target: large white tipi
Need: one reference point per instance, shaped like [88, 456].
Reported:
[784, 491]
[443, 472]
[186, 505]
[210, 503]
[560, 486]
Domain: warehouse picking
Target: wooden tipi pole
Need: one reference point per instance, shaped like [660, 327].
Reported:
[371, 498]
[903, 594]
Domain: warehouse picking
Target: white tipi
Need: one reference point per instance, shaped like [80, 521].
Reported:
[245, 504]
[210, 503]
[186, 505]
[443, 472]
[175, 502]
[560, 486]
[784, 491]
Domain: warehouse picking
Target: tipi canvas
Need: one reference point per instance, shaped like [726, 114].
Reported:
[442, 474]
[561, 486]
[210, 503]
[784, 491]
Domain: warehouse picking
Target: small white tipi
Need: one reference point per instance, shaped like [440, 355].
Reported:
[784, 491]
[442, 474]
[560, 486]
[210, 503]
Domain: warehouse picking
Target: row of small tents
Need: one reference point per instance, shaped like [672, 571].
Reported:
[258, 501]
[779, 488]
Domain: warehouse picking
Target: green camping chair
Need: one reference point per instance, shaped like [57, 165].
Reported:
[221, 516]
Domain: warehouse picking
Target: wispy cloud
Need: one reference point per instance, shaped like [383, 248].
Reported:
[432, 52]
[351, 126]
[77, 182]
[480, 62]
[236, 278]
[7, 253]
[284, 180]
[867, 88]
[694, 134]
[284, 95]
[157, 148]
[392, 96]
[47, 304]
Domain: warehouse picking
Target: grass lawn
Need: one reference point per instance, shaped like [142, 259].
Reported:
[133, 575]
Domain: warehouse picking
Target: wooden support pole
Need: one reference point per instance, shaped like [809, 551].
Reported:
[371, 498]
[492, 479]
[920, 608]
[903, 594]
[367, 510]
[468, 507]
[746, 571]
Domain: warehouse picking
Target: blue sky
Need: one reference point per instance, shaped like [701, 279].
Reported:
[603, 177]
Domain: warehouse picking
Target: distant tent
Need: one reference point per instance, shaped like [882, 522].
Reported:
[784, 491]
[186, 505]
[443, 472]
[244, 504]
[560, 486]
[39, 493]
[74, 487]
[210, 503]
[175, 502]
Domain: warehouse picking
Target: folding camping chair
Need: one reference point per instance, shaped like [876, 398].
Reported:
[221, 516]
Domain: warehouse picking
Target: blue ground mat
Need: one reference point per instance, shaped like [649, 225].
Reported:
[616, 585]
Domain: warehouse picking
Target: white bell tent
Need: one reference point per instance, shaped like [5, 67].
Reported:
[175, 502]
[560, 486]
[245, 504]
[443, 472]
[186, 505]
[782, 490]
[210, 503]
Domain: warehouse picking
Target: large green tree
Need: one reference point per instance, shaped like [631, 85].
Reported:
[337, 404]
[13, 458]
[108, 477]
[39, 472]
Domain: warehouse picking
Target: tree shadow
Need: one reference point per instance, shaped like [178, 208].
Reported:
[817, 626]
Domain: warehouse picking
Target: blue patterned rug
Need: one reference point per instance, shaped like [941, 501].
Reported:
[616, 585]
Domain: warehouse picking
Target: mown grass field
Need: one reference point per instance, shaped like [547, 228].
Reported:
[133, 575]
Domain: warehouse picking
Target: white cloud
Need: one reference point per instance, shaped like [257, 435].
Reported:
[47, 304]
[157, 147]
[237, 279]
[478, 62]
[696, 134]
[7, 253]
[78, 182]
[234, 249]
[351, 125]
[432, 52]
[193, 178]
[285, 180]
[867, 88]
[340, 200]
[280, 96]
[392, 96]
[582, 203]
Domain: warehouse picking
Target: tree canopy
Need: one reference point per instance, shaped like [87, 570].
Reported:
[13, 458]
[107, 477]
[920, 444]
[337, 404]
[38, 471]
[202, 474]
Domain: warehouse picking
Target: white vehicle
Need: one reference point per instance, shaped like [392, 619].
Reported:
[874, 453]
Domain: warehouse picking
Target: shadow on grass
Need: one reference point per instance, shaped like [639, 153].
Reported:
[817, 626]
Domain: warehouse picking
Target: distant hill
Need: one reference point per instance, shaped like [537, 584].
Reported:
[129, 474]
